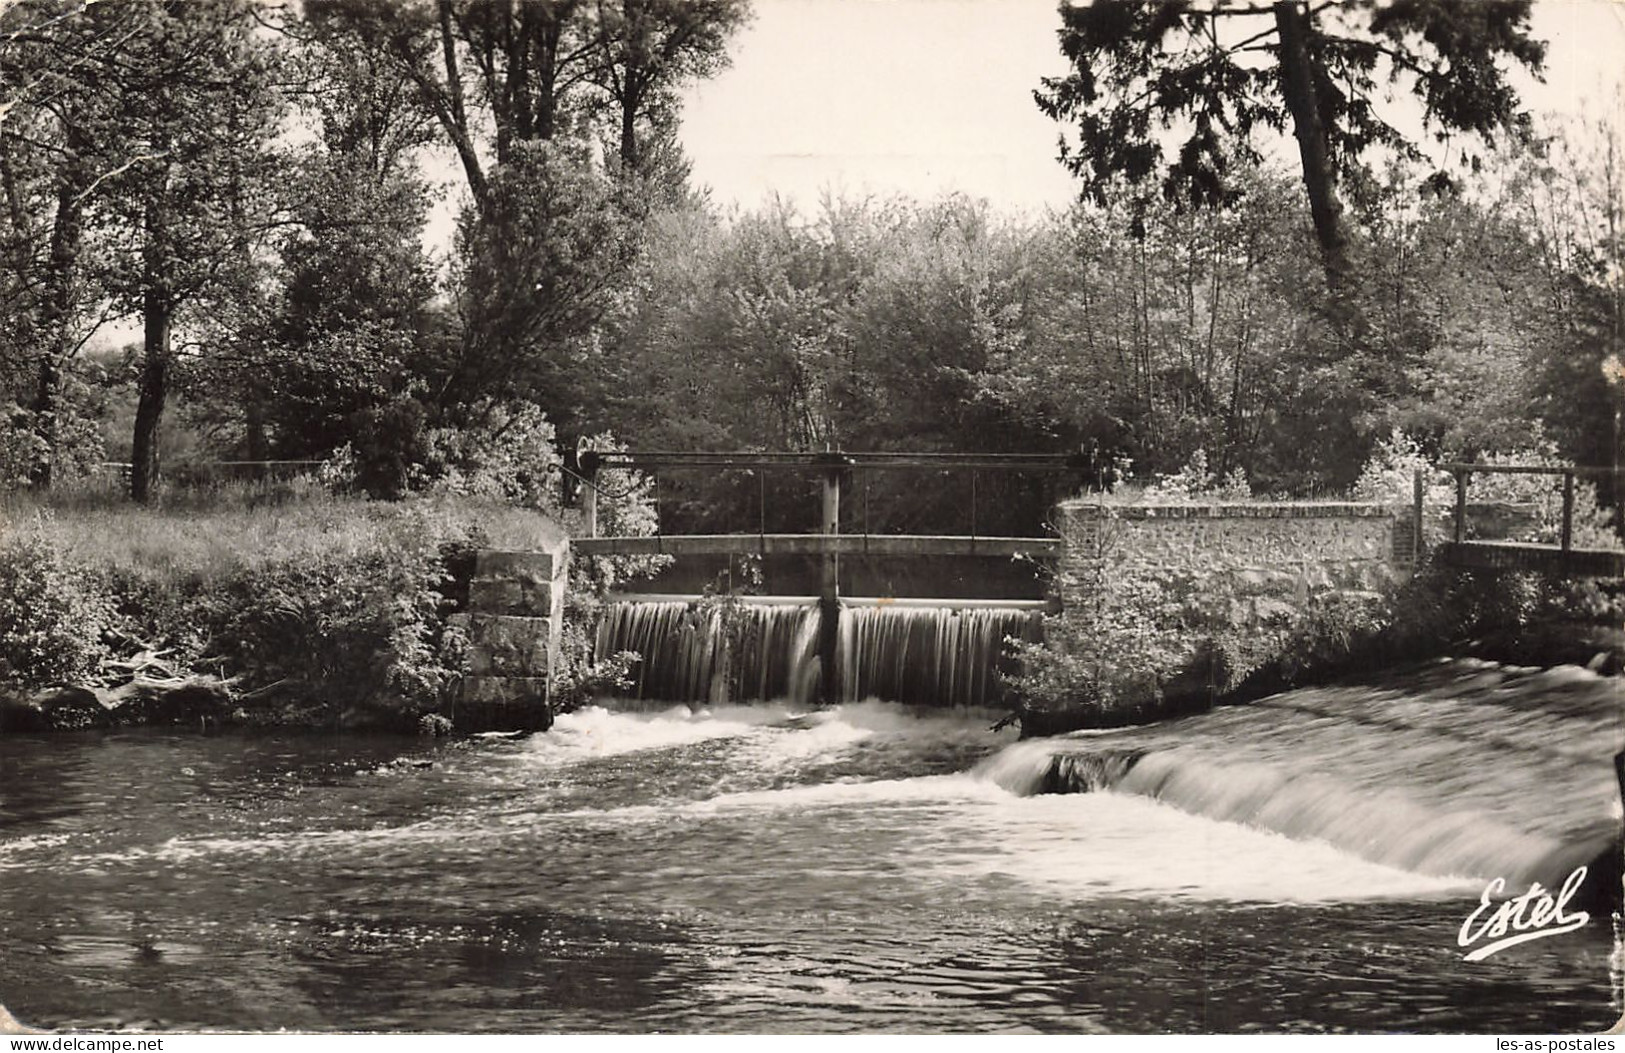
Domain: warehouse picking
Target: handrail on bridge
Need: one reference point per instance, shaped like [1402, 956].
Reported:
[1462, 470]
[592, 461]
[829, 543]
[832, 463]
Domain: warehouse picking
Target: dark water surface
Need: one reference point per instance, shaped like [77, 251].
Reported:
[745, 869]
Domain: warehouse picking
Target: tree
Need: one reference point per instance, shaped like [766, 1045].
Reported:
[1218, 73]
[1574, 208]
[536, 270]
[351, 326]
[496, 74]
[521, 61]
[61, 141]
[646, 49]
[196, 99]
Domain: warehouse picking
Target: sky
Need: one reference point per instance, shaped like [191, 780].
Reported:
[923, 97]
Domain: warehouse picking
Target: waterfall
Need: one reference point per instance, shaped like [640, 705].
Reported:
[1481, 773]
[932, 653]
[928, 655]
[685, 653]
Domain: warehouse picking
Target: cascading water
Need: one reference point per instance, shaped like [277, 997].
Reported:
[929, 655]
[919, 653]
[687, 649]
[862, 867]
[1474, 771]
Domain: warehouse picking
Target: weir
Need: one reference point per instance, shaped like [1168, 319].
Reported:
[1464, 770]
[911, 636]
[929, 652]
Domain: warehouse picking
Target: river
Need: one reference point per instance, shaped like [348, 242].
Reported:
[771, 868]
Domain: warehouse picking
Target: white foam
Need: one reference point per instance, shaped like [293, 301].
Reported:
[12, 848]
[1088, 845]
[597, 732]
[830, 732]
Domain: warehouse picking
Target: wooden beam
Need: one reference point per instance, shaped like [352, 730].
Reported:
[817, 545]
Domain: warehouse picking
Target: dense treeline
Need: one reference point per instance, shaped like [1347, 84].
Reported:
[1483, 328]
[252, 187]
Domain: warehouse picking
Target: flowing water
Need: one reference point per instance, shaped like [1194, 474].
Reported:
[777, 868]
[930, 653]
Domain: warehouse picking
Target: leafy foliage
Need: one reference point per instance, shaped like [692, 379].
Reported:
[52, 615]
[581, 675]
[537, 268]
[1222, 75]
[340, 631]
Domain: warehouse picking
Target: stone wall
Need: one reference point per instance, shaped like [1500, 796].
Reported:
[1221, 587]
[1320, 544]
[513, 621]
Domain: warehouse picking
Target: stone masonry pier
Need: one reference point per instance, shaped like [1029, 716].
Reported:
[513, 623]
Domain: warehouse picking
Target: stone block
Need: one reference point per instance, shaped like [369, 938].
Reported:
[488, 703]
[507, 644]
[535, 566]
[521, 594]
[502, 690]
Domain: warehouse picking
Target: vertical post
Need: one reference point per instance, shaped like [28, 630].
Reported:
[1461, 503]
[1418, 489]
[589, 493]
[973, 502]
[829, 591]
[1567, 537]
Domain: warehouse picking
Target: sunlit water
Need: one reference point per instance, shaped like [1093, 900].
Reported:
[745, 869]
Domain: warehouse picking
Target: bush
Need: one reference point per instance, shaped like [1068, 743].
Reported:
[388, 441]
[341, 631]
[580, 676]
[503, 452]
[52, 616]
[310, 610]
[1194, 482]
[1389, 475]
[1111, 655]
[626, 508]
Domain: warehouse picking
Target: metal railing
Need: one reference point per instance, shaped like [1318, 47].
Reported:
[1462, 471]
[830, 464]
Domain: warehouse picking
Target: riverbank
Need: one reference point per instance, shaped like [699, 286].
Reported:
[263, 608]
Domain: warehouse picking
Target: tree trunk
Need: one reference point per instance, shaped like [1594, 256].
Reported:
[629, 133]
[154, 390]
[451, 112]
[59, 307]
[634, 53]
[1303, 103]
[257, 446]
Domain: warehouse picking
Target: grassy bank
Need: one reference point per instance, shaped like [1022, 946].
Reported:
[265, 606]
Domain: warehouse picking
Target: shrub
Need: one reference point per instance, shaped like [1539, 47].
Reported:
[22, 448]
[579, 676]
[1194, 482]
[52, 616]
[1109, 656]
[329, 604]
[1389, 475]
[503, 452]
[388, 441]
[626, 508]
[340, 630]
